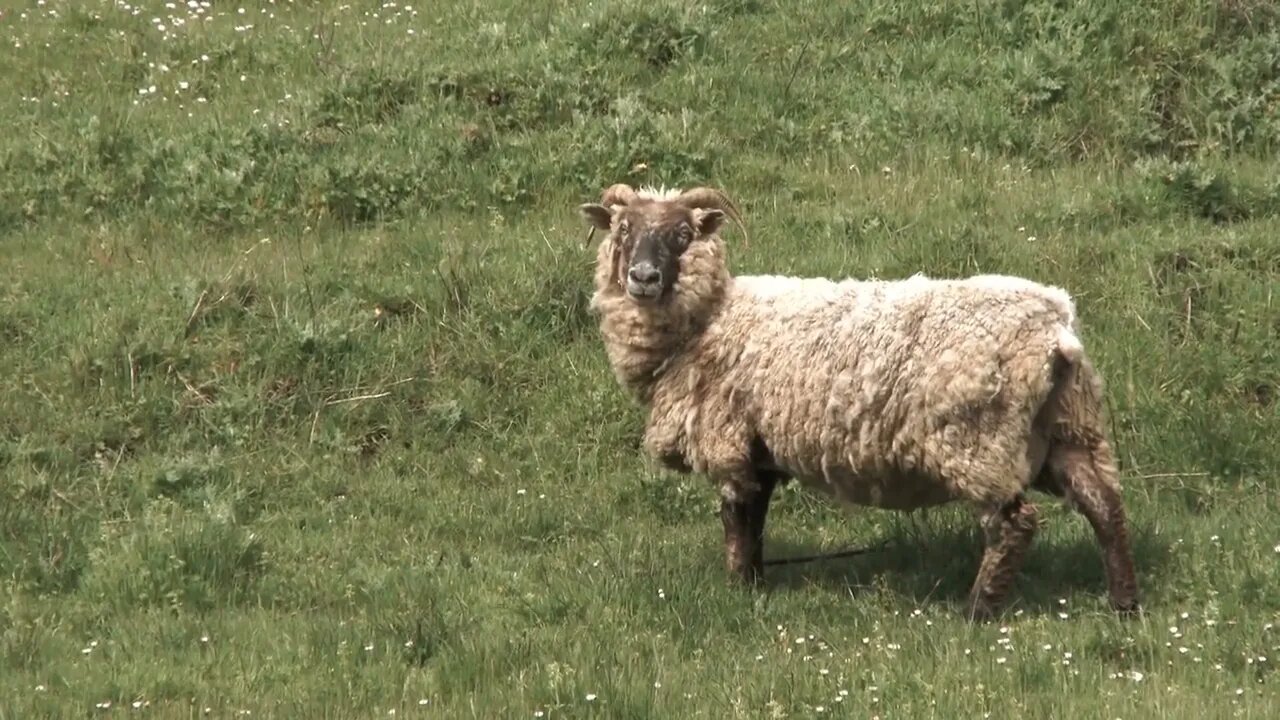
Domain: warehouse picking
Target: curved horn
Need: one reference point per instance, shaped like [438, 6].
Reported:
[708, 197]
[618, 194]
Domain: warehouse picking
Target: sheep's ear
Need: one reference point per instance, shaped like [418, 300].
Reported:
[708, 221]
[596, 215]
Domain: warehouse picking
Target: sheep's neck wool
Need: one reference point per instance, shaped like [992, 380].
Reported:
[641, 339]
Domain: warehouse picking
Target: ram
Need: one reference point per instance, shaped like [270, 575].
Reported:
[892, 394]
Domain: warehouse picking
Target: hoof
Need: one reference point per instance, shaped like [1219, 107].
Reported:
[981, 612]
[1127, 609]
[749, 578]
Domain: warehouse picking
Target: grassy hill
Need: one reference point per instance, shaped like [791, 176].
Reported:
[303, 413]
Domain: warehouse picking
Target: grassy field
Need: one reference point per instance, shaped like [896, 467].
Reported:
[302, 412]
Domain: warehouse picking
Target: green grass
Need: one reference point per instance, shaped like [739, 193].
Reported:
[303, 412]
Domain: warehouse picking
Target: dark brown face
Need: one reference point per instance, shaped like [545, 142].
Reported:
[650, 237]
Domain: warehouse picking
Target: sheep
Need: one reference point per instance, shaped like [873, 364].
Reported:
[896, 395]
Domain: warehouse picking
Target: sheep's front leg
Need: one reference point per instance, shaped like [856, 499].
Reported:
[1008, 533]
[744, 504]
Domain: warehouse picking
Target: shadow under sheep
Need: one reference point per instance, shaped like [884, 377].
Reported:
[935, 564]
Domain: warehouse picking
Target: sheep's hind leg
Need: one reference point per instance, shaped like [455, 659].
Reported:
[1087, 474]
[757, 515]
[1008, 532]
[744, 504]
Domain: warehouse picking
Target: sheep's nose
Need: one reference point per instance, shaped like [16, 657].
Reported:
[644, 274]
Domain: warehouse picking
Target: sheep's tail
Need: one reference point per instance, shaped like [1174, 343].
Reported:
[1069, 347]
[1072, 419]
[1079, 421]
[1076, 400]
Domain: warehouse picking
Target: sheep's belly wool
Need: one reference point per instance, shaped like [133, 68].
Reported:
[889, 489]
